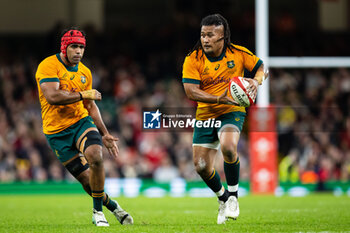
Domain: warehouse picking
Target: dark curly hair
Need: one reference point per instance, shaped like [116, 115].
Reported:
[217, 20]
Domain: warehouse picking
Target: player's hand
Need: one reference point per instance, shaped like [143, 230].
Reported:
[224, 99]
[91, 95]
[110, 143]
[252, 88]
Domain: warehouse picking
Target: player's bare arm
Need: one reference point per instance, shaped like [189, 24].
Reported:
[56, 96]
[108, 140]
[194, 93]
[260, 76]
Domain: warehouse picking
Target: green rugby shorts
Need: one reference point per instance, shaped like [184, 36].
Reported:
[63, 143]
[209, 137]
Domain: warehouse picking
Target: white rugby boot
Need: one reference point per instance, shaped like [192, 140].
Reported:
[122, 216]
[222, 212]
[98, 218]
[232, 207]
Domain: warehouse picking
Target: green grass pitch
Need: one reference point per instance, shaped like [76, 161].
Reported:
[72, 213]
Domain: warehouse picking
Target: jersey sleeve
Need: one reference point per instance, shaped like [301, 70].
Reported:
[190, 72]
[46, 72]
[251, 62]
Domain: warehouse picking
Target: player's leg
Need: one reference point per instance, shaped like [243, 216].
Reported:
[203, 158]
[93, 154]
[84, 179]
[229, 134]
[90, 144]
[79, 168]
[229, 140]
[61, 144]
[205, 146]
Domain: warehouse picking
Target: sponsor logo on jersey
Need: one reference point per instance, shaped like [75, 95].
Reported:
[71, 78]
[212, 81]
[217, 66]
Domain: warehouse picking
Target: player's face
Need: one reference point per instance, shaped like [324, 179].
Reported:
[75, 53]
[212, 39]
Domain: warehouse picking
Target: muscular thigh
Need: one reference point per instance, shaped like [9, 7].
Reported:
[229, 137]
[228, 143]
[229, 134]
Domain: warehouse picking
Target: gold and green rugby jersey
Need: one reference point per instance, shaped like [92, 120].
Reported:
[214, 74]
[78, 78]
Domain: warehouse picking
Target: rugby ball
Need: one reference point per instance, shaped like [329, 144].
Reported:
[238, 90]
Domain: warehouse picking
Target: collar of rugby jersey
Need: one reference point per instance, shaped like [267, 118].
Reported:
[69, 68]
[219, 58]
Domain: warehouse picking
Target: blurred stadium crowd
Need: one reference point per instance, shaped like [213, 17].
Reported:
[312, 105]
[313, 124]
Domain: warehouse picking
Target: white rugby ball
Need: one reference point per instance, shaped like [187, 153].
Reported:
[238, 90]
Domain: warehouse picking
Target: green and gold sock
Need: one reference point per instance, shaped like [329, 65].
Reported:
[214, 183]
[110, 204]
[97, 197]
[232, 176]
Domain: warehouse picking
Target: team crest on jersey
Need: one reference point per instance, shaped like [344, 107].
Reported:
[217, 66]
[83, 79]
[206, 71]
[230, 64]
